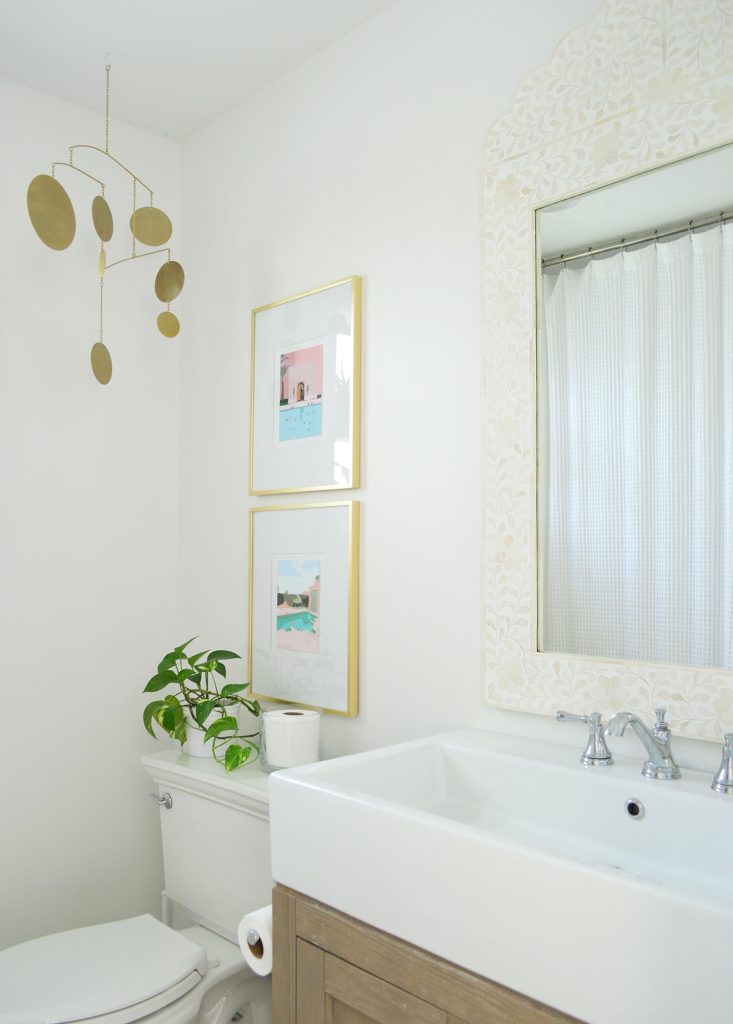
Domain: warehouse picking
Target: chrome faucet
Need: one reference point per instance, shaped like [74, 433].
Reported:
[658, 744]
[596, 754]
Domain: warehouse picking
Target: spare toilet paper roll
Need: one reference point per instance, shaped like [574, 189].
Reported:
[291, 737]
[255, 939]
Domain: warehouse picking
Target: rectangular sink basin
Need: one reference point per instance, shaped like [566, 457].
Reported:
[599, 892]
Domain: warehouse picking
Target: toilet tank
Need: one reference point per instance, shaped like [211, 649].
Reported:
[216, 838]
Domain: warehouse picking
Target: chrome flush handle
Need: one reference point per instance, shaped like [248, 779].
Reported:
[165, 800]
[596, 753]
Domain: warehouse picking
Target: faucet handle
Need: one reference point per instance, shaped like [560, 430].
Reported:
[660, 723]
[596, 753]
[565, 716]
[723, 778]
[662, 729]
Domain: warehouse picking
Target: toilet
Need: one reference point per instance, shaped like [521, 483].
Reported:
[216, 855]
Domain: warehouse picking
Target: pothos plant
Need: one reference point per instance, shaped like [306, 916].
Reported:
[199, 701]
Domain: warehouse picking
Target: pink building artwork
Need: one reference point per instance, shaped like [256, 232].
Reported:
[301, 393]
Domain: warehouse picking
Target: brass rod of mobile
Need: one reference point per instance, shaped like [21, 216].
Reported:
[139, 256]
[65, 163]
[84, 145]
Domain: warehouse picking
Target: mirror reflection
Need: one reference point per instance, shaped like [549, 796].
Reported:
[635, 418]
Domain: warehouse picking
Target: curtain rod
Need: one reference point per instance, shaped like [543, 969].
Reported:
[691, 225]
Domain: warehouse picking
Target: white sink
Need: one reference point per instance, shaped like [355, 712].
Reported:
[509, 858]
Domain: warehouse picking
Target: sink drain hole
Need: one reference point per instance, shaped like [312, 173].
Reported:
[634, 808]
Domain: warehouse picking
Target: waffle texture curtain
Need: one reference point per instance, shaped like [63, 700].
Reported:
[635, 484]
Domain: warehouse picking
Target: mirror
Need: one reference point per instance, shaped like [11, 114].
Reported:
[635, 418]
[587, 119]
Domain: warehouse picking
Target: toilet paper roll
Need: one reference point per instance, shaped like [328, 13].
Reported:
[290, 737]
[255, 939]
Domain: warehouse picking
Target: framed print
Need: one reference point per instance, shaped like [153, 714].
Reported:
[303, 605]
[305, 391]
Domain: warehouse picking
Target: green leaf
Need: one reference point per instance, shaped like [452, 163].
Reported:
[170, 717]
[167, 719]
[168, 662]
[223, 655]
[172, 701]
[236, 756]
[196, 678]
[180, 733]
[158, 715]
[225, 724]
[195, 657]
[232, 688]
[159, 681]
[182, 647]
[184, 674]
[221, 669]
[202, 711]
[149, 713]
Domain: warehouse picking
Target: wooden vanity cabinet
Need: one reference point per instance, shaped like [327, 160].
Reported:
[333, 969]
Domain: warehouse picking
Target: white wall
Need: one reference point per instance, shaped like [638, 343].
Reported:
[367, 160]
[88, 536]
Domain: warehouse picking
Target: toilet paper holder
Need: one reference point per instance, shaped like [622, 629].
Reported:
[255, 943]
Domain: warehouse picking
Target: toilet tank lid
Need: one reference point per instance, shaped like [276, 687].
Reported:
[87, 972]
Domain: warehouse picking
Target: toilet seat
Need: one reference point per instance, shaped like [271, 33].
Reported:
[117, 973]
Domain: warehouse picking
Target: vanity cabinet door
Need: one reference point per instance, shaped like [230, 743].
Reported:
[332, 991]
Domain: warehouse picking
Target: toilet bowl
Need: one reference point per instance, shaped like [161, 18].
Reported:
[217, 867]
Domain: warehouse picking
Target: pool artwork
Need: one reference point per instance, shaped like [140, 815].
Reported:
[300, 410]
[297, 604]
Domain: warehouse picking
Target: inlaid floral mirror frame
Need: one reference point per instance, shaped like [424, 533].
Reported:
[645, 83]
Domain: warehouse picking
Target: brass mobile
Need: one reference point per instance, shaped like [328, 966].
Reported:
[52, 216]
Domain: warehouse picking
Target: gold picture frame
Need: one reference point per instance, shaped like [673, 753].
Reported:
[305, 391]
[303, 615]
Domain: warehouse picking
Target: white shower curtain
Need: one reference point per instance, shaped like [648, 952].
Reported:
[635, 374]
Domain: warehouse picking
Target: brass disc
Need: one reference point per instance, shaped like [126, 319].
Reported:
[102, 262]
[151, 226]
[102, 217]
[169, 281]
[51, 212]
[101, 363]
[168, 324]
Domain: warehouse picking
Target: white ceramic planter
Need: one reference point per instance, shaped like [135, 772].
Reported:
[195, 745]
